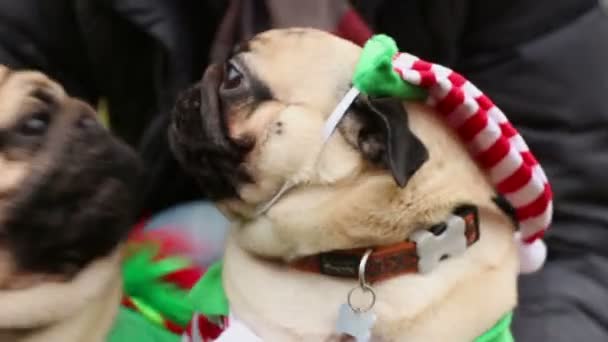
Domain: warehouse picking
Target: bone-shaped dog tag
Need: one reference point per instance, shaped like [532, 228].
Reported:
[356, 324]
[431, 248]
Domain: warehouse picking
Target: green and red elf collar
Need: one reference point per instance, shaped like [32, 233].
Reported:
[211, 302]
[157, 279]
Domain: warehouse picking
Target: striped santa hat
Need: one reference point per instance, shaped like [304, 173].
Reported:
[490, 138]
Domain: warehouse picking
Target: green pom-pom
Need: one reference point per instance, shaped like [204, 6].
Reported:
[375, 76]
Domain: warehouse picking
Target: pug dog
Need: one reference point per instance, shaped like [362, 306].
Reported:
[67, 196]
[250, 133]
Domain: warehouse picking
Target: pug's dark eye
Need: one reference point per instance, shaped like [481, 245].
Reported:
[233, 78]
[36, 124]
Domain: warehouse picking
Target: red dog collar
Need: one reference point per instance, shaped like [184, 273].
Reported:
[424, 250]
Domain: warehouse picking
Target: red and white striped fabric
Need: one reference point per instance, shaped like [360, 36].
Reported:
[495, 144]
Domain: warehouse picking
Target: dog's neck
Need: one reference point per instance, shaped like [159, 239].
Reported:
[293, 305]
[80, 309]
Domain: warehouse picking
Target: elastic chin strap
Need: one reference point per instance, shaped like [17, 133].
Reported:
[328, 129]
[262, 209]
[336, 116]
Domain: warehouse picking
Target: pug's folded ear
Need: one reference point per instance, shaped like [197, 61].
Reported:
[379, 128]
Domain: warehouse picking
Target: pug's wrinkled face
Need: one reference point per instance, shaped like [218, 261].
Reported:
[254, 125]
[255, 122]
[67, 186]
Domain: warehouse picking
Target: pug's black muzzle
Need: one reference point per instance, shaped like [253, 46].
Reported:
[199, 139]
[77, 204]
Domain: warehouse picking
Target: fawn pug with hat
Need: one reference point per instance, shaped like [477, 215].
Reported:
[373, 196]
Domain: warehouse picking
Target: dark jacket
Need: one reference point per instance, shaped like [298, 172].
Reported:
[542, 61]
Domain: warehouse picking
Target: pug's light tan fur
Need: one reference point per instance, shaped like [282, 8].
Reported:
[15, 98]
[340, 201]
[82, 309]
[14, 91]
[37, 307]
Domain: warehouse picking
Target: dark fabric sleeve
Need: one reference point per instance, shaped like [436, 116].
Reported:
[44, 36]
[564, 302]
[430, 29]
[555, 91]
[144, 52]
[166, 183]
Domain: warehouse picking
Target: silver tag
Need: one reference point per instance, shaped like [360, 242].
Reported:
[356, 324]
[432, 249]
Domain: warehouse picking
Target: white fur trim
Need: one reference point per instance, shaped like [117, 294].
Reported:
[531, 255]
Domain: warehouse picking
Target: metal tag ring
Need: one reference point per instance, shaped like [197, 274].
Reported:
[365, 289]
[362, 268]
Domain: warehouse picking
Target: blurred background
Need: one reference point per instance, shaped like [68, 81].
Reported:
[543, 62]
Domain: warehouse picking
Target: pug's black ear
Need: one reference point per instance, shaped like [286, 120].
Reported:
[383, 136]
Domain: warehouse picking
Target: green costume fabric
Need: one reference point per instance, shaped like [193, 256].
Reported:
[208, 296]
[375, 76]
[143, 282]
[500, 332]
[130, 326]
[157, 302]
